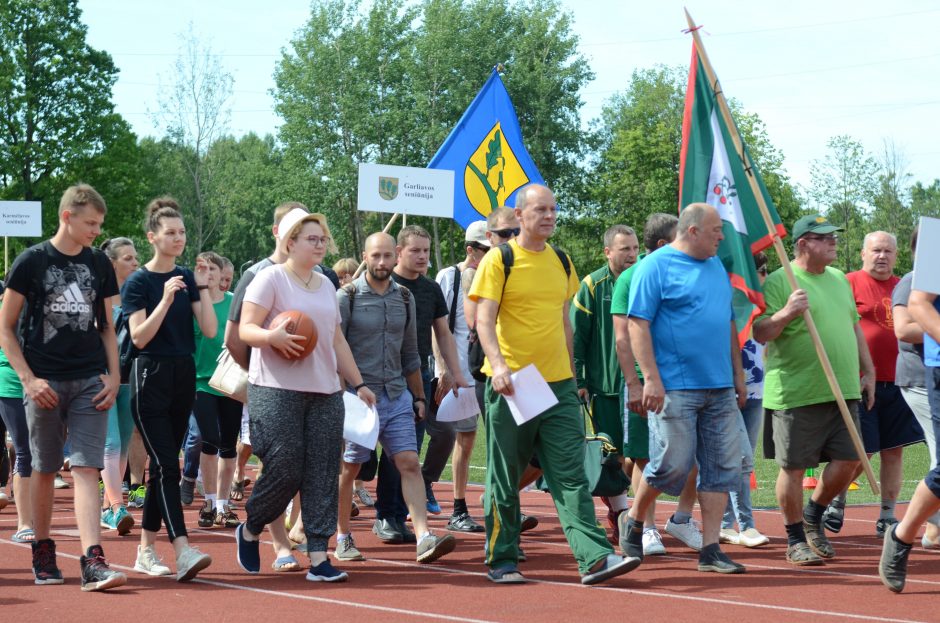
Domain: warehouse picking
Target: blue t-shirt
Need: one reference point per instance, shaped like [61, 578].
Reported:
[143, 290]
[688, 305]
[931, 348]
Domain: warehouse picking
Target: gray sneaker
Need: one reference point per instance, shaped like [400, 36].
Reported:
[187, 490]
[432, 547]
[893, 565]
[347, 550]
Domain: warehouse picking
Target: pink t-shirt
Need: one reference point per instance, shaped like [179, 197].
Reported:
[274, 290]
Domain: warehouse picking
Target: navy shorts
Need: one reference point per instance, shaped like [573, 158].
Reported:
[890, 423]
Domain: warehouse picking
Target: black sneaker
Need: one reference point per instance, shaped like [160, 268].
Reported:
[207, 515]
[187, 490]
[407, 534]
[711, 558]
[892, 568]
[882, 525]
[96, 575]
[44, 567]
[527, 522]
[463, 522]
[834, 516]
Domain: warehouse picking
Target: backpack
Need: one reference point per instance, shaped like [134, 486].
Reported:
[127, 352]
[452, 318]
[475, 352]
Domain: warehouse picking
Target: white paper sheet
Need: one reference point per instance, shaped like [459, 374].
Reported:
[460, 407]
[927, 261]
[361, 424]
[531, 395]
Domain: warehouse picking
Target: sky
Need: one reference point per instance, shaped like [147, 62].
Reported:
[811, 70]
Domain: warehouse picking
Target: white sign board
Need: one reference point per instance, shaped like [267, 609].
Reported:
[406, 190]
[21, 219]
[927, 260]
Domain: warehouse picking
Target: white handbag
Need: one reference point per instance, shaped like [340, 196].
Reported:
[230, 378]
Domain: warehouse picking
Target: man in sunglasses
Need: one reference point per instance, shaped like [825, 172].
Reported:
[807, 427]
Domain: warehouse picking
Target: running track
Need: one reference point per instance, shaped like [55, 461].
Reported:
[390, 586]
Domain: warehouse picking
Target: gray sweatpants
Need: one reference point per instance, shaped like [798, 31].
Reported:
[298, 437]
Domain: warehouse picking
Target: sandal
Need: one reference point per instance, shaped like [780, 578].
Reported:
[506, 575]
[26, 535]
[818, 540]
[237, 494]
[286, 564]
[802, 555]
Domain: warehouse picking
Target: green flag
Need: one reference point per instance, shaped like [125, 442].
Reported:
[710, 171]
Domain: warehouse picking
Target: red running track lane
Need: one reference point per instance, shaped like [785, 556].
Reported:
[391, 586]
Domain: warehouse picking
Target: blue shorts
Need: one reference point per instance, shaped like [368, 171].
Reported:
[890, 423]
[696, 426]
[396, 428]
[932, 479]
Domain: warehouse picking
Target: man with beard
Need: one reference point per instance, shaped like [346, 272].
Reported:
[378, 319]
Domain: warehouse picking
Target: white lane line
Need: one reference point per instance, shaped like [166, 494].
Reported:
[337, 602]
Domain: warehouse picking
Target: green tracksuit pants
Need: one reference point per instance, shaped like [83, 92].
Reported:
[556, 437]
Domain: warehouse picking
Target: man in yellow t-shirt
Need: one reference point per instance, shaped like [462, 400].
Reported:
[522, 320]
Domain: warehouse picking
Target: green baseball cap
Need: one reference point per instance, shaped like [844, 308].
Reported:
[813, 223]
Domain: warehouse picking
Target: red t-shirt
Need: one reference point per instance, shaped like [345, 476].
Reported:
[873, 300]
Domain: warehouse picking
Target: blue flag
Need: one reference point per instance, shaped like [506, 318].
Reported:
[486, 154]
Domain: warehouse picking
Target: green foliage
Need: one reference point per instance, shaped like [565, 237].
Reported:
[55, 101]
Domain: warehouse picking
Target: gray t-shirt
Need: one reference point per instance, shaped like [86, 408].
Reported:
[910, 366]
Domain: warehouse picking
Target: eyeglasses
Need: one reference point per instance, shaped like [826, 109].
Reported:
[318, 241]
[479, 247]
[826, 237]
[506, 233]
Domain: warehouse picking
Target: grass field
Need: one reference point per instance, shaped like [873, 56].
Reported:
[916, 465]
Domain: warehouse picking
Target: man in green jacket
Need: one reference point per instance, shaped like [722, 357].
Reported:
[600, 381]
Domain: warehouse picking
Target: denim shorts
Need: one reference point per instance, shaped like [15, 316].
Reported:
[696, 426]
[76, 417]
[396, 428]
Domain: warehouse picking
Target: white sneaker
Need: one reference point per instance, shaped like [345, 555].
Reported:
[653, 543]
[688, 533]
[148, 562]
[189, 563]
[752, 538]
[729, 535]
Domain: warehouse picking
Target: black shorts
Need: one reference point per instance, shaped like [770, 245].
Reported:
[890, 423]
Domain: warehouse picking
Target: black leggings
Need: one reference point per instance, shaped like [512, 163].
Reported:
[162, 394]
[220, 420]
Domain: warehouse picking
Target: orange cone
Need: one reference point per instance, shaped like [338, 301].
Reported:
[753, 482]
[809, 481]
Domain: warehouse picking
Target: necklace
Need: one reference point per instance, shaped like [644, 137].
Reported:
[307, 282]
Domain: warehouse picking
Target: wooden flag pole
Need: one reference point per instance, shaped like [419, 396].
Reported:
[388, 226]
[782, 255]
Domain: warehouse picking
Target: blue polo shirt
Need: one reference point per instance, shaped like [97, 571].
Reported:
[687, 302]
[931, 348]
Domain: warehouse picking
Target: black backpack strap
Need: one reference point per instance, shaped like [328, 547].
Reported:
[452, 319]
[350, 290]
[406, 297]
[563, 257]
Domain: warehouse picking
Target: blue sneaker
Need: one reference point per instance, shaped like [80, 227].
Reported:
[249, 556]
[123, 521]
[433, 507]
[107, 519]
[325, 572]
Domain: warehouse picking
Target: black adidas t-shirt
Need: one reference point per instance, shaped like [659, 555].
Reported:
[429, 306]
[64, 344]
[143, 290]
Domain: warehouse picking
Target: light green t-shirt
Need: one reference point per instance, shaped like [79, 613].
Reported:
[795, 376]
[10, 386]
[207, 351]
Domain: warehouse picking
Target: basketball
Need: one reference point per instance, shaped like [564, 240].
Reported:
[298, 323]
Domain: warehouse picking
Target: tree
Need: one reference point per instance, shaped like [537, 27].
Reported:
[194, 115]
[890, 212]
[55, 96]
[843, 186]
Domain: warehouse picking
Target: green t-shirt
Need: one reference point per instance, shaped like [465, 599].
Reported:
[207, 351]
[620, 299]
[794, 375]
[10, 386]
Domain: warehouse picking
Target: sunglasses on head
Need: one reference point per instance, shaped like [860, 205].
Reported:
[506, 233]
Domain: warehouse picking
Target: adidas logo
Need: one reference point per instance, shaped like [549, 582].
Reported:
[71, 301]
